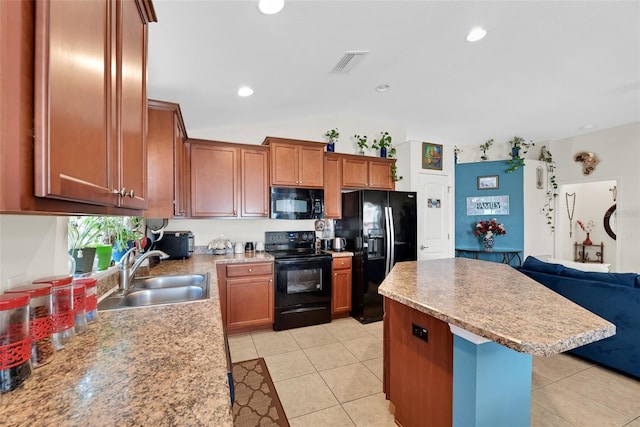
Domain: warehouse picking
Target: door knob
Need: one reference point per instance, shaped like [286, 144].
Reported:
[423, 247]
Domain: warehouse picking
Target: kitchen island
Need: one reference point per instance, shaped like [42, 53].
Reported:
[459, 339]
[161, 365]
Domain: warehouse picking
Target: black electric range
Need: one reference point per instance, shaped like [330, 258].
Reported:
[302, 279]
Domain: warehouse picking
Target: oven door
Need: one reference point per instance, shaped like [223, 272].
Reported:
[302, 281]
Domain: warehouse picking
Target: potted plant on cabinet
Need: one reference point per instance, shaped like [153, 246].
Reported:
[383, 143]
[333, 136]
[517, 144]
[362, 143]
[484, 148]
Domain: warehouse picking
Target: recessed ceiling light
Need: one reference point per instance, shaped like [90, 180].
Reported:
[383, 88]
[270, 7]
[245, 91]
[476, 34]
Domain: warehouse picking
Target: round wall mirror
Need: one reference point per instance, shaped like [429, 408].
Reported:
[610, 222]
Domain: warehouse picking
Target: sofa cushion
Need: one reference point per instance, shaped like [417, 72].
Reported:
[624, 279]
[534, 264]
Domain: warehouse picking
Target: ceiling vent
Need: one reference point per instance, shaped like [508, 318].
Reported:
[350, 59]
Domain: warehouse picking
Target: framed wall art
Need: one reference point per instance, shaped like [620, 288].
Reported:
[488, 182]
[431, 156]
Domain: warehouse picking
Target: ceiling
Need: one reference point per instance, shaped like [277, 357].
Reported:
[545, 70]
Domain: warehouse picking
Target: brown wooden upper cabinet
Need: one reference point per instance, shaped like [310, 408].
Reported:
[367, 172]
[296, 163]
[90, 115]
[332, 185]
[167, 195]
[228, 180]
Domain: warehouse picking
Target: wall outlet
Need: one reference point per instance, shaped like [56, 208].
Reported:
[420, 332]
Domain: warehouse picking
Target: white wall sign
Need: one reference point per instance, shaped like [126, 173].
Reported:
[493, 205]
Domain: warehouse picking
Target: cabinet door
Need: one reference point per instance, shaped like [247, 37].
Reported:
[160, 146]
[214, 180]
[249, 301]
[255, 182]
[332, 186]
[73, 156]
[132, 112]
[341, 298]
[311, 166]
[180, 175]
[355, 173]
[380, 175]
[284, 164]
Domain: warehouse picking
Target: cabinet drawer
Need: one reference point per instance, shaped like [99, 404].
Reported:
[341, 263]
[236, 270]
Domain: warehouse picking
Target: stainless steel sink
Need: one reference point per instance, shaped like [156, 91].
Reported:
[142, 297]
[158, 290]
[168, 281]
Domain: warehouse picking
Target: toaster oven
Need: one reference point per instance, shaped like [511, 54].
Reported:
[177, 244]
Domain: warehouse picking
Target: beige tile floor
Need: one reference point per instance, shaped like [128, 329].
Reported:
[331, 375]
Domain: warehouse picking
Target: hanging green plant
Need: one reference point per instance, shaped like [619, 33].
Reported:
[394, 173]
[518, 147]
[552, 186]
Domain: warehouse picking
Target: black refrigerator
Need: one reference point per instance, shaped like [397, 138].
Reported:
[381, 229]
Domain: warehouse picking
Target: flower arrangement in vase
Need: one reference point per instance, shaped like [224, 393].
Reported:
[587, 228]
[333, 136]
[487, 229]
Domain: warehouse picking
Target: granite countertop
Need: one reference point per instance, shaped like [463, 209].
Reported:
[341, 254]
[496, 302]
[161, 365]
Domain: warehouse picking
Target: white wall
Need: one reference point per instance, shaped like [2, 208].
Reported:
[31, 247]
[618, 149]
[236, 230]
[312, 129]
[538, 236]
[592, 199]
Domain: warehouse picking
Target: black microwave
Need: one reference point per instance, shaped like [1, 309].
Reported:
[297, 203]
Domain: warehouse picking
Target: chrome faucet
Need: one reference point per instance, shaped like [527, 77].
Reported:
[129, 265]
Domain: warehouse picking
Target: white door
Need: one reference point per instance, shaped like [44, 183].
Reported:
[435, 207]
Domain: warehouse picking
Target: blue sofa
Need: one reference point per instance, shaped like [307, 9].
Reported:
[612, 296]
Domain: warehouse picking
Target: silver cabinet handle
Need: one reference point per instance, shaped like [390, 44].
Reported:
[131, 194]
[122, 192]
[250, 270]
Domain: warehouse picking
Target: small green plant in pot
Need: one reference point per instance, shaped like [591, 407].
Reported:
[333, 136]
[84, 234]
[518, 146]
[125, 234]
[362, 143]
[382, 144]
[484, 147]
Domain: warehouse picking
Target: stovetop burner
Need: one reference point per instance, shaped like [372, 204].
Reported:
[292, 244]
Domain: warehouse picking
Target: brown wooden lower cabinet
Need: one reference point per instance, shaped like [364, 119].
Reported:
[418, 375]
[246, 296]
[341, 291]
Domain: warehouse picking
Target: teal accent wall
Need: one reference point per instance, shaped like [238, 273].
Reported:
[510, 184]
[491, 385]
